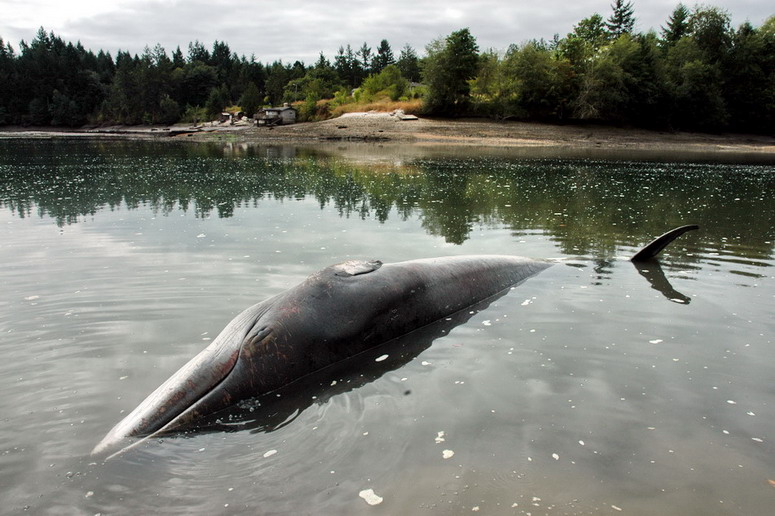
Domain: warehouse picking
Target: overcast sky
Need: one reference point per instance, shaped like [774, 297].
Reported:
[301, 29]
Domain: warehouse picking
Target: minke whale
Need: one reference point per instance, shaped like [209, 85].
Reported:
[334, 314]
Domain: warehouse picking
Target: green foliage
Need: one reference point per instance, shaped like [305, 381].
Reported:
[677, 25]
[216, 101]
[749, 79]
[194, 114]
[698, 74]
[348, 67]
[250, 101]
[169, 110]
[318, 83]
[365, 58]
[710, 28]
[388, 83]
[622, 20]
[409, 64]
[447, 70]
[383, 59]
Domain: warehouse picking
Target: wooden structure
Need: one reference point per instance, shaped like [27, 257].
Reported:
[276, 116]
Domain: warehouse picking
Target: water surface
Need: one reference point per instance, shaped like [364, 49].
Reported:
[597, 387]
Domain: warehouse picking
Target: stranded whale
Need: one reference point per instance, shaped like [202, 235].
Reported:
[334, 314]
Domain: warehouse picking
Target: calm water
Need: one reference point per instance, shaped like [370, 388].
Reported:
[596, 387]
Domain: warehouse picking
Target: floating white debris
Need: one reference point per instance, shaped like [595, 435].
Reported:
[581, 443]
[732, 402]
[447, 454]
[475, 508]
[757, 439]
[269, 453]
[31, 298]
[750, 413]
[487, 323]
[555, 456]
[655, 341]
[201, 235]
[370, 496]
[425, 362]
[440, 437]
[380, 358]
[616, 508]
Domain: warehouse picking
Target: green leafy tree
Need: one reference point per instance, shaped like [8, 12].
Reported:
[592, 31]
[542, 81]
[169, 110]
[450, 65]
[216, 101]
[695, 88]
[583, 43]
[277, 77]
[318, 83]
[250, 101]
[388, 83]
[749, 78]
[710, 28]
[196, 82]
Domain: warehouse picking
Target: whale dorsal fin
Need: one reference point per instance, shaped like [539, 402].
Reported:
[356, 267]
[659, 243]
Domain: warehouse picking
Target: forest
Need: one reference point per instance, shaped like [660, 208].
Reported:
[696, 73]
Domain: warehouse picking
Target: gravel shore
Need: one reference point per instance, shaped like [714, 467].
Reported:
[536, 139]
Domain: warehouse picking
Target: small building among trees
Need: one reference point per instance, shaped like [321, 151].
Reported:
[276, 116]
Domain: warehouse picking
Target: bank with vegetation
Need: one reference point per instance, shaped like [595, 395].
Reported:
[696, 73]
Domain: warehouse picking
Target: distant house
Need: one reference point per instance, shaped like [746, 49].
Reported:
[276, 116]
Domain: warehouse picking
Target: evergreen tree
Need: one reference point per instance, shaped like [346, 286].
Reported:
[348, 67]
[622, 20]
[365, 59]
[677, 25]
[216, 101]
[383, 58]
[409, 64]
[198, 52]
[278, 76]
[250, 101]
[177, 58]
[323, 63]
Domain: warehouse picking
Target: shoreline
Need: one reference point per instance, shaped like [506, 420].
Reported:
[510, 137]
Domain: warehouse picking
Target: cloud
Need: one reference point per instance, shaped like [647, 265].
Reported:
[301, 29]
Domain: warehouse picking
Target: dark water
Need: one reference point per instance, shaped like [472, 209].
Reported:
[596, 387]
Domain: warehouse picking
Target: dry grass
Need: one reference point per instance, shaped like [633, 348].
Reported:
[412, 107]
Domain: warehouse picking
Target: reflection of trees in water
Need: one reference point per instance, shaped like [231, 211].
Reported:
[588, 208]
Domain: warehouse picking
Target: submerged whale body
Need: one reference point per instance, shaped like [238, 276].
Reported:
[334, 314]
